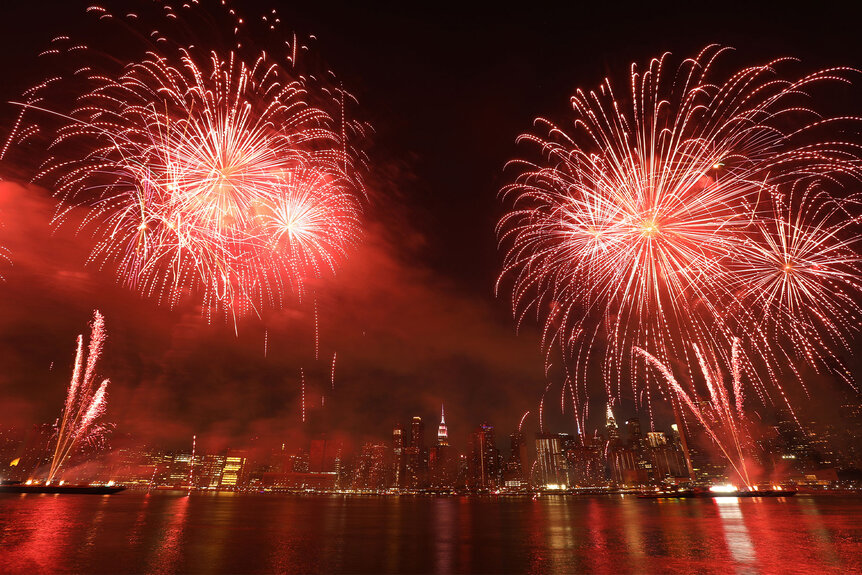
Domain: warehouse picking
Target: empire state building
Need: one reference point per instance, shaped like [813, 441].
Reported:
[442, 433]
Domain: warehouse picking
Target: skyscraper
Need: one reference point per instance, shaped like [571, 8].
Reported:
[417, 433]
[442, 432]
[371, 470]
[515, 473]
[398, 456]
[485, 459]
[585, 460]
[440, 461]
[552, 462]
[633, 426]
[233, 473]
[417, 455]
[612, 429]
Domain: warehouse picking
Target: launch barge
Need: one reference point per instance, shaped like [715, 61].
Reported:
[710, 494]
[41, 488]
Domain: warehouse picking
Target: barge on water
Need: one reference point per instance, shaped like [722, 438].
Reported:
[713, 493]
[18, 487]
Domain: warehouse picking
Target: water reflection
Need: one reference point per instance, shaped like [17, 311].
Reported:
[821, 536]
[445, 531]
[164, 533]
[168, 551]
[735, 533]
[34, 539]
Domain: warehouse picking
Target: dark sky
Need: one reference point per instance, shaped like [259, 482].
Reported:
[412, 315]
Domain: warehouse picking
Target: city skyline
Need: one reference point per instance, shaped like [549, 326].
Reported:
[619, 456]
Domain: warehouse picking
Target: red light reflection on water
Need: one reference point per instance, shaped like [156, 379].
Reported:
[168, 553]
[42, 544]
[232, 533]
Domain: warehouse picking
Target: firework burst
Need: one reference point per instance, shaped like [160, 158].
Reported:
[85, 400]
[655, 220]
[225, 173]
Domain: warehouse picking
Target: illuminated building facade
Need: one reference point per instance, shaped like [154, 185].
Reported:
[485, 465]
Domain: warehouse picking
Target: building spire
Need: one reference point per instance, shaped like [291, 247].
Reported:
[442, 432]
[611, 419]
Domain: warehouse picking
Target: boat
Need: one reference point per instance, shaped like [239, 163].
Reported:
[681, 494]
[70, 489]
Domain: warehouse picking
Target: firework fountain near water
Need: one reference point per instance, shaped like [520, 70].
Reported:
[721, 416]
[210, 168]
[85, 400]
[691, 216]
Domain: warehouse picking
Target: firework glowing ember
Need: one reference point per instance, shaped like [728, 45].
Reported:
[690, 210]
[85, 401]
[226, 173]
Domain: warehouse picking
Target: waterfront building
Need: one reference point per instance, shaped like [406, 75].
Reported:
[633, 426]
[585, 461]
[442, 465]
[442, 431]
[399, 456]
[323, 456]
[234, 470]
[371, 472]
[485, 459]
[553, 467]
[515, 474]
[611, 428]
[417, 456]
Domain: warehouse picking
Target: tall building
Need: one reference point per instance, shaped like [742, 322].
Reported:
[233, 473]
[668, 462]
[323, 455]
[441, 463]
[208, 474]
[417, 456]
[398, 456]
[626, 468]
[417, 433]
[633, 426]
[612, 429]
[485, 459]
[553, 466]
[371, 471]
[515, 474]
[585, 460]
[442, 432]
[656, 438]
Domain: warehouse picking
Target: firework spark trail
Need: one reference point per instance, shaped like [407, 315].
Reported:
[222, 173]
[76, 375]
[693, 210]
[192, 464]
[523, 417]
[302, 398]
[542, 407]
[332, 372]
[95, 409]
[718, 418]
[97, 340]
[316, 332]
[736, 376]
[83, 405]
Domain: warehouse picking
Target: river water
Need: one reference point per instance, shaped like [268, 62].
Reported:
[226, 533]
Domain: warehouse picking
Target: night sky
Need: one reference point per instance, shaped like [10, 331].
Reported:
[412, 314]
